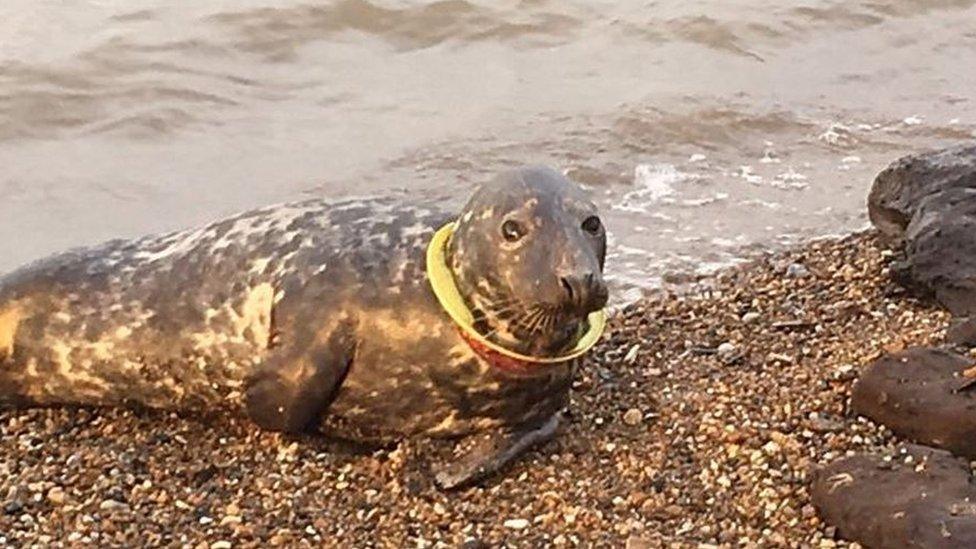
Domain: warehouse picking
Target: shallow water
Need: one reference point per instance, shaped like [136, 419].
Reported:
[706, 129]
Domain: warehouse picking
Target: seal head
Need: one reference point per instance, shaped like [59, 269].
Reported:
[527, 254]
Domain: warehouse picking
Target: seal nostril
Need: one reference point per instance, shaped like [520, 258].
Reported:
[595, 291]
[568, 287]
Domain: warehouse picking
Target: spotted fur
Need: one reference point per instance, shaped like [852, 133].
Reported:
[316, 314]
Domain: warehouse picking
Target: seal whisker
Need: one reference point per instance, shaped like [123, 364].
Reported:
[538, 318]
[523, 321]
[550, 320]
[537, 326]
[506, 309]
[527, 322]
[499, 303]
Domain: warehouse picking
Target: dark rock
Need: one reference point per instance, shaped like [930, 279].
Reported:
[929, 502]
[941, 248]
[962, 331]
[899, 189]
[204, 474]
[920, 394]
[928, 202]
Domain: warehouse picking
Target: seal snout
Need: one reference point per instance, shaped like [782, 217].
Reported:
[584, 293]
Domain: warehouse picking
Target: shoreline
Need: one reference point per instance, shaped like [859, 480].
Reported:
[686, 281]
[707, 433]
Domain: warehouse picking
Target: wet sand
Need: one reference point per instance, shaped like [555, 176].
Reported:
[698, 420]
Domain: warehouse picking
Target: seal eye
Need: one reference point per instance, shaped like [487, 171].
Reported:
[512, 230]
[592, 225]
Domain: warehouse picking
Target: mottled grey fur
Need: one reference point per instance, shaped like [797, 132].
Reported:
[318, 315]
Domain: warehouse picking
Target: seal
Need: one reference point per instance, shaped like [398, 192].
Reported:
[368, 319]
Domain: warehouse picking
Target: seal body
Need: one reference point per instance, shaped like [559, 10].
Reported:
[315, 315]
[184, 320]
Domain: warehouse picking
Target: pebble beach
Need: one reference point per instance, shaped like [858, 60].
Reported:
[697, 422]
[774, 374]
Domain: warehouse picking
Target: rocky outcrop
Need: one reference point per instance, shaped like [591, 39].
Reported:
[901, 188]
[927, 203]
[917, 497]
[921, 496]
[922, 395]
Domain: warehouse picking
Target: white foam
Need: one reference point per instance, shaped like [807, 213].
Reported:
[725, 242]
[745, 172]
[630, 250]
[790, 179]
[654, 182]
[837, 135]
[761, 203]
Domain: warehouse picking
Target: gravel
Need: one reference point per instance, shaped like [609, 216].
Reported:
[706, 435]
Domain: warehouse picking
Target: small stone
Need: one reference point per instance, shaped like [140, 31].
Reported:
[112, 505]
[56, 495]
[222, 544]
[635, 542]
[673, 510]
[516, 524]
[825, 425]
[797, 270]
[633, 417]
[726, 349]
[771, 447]
[808, 512]
[13, 507]
[230, 519]
[474, 543]
[632, 354]
[750, 317]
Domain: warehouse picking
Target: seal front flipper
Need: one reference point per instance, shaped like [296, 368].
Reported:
[293, 388]
[492, 452]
